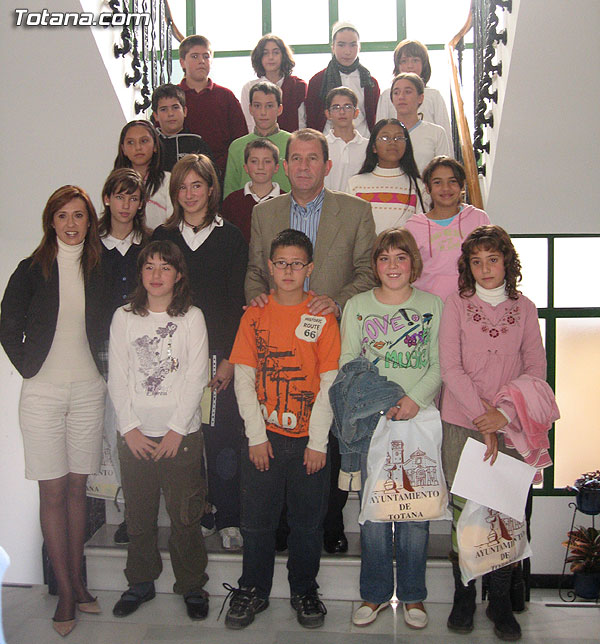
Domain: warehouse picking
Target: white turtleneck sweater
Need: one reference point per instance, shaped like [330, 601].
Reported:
[69, 358]
[492, 296]
[392, 197]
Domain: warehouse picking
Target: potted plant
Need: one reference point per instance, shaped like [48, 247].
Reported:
[587, 487]
[584, 557]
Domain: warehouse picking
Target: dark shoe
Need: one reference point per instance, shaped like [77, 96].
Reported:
[517, 589]
[133, 598]
[335, 544]
[463, 608]
[121, 537]
[499, 609]
[310, 609]
[197, 605]
[244, 605]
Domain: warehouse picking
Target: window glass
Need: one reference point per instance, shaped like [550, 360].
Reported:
[178, 13]
[577, 443]
[232, 72]
[300, 25]
[568, 291]
[436, 21]
[533, 253]
[307, 65]
[379, 25]
[235, 25]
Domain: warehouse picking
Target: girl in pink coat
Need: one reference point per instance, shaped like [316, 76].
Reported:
[489, 336]
[440, 232]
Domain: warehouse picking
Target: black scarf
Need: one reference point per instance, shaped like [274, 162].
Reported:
[333, 79]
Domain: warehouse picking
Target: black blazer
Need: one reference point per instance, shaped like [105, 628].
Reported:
[30, 311]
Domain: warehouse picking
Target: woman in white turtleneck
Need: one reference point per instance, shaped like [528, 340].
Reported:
[389, 178]
[52, 327]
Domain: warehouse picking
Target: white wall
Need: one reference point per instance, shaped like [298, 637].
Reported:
[60, 124]
[546, 158]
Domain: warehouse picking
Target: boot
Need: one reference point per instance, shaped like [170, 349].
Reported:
[461, 616]
[499, 609]
[517, 589]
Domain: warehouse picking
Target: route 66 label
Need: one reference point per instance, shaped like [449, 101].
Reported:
[310, 327]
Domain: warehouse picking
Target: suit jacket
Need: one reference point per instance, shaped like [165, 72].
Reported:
[342, 253]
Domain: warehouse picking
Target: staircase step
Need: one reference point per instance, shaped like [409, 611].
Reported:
[351, 512]
[338, 576]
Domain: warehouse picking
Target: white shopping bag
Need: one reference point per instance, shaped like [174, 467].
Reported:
[105, 484]
[488, 540]
[405, 481]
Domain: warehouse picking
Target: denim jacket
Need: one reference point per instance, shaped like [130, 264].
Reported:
[359, 396]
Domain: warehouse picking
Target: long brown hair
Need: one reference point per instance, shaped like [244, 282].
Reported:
[45, 254]
[156, 175]
[489, 238]
[171, 254]
[204, 168]
[125, 180]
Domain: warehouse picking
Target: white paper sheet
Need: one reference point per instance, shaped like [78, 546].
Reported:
[502, 486]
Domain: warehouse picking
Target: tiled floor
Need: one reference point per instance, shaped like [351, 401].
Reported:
[27, 613]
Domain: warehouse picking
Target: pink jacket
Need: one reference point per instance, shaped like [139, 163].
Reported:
[530, 403]
[482, 349]
[440, 248]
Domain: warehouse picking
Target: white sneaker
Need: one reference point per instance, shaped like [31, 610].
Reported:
[415, 617]
[231, 538]
[365, 615]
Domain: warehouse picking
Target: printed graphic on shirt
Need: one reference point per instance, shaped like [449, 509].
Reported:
[401, 339]
[280, 379]
[477, 315]
[310, 327]
[446, 240]
[156, 360]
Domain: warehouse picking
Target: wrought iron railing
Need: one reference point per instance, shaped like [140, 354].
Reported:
[149, 42]
[487, 68]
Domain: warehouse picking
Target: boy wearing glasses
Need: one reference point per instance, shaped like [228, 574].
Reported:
[285, 361]
[346, 145]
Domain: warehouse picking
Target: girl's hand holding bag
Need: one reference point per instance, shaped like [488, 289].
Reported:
[405, 481]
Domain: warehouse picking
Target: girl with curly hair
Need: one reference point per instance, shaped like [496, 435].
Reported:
[489, 336]
[273, 60]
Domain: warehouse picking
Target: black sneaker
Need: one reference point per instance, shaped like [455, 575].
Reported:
[244, 605]
[310, 609]
[121, 537]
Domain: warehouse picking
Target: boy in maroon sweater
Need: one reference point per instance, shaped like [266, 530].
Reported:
[213, 111]
[261, 161]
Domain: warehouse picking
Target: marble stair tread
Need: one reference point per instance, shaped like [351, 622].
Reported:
[439, 544]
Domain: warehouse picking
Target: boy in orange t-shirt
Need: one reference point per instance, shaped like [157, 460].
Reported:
[285, 361]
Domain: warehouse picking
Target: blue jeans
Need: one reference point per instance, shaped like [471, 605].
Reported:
[378, 541]
[263, 495]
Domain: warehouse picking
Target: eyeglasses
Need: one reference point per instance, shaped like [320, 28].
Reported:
[281, 264]
[344, 108]
[388, 139]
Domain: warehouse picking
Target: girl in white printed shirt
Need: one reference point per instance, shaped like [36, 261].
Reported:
[158, 366]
